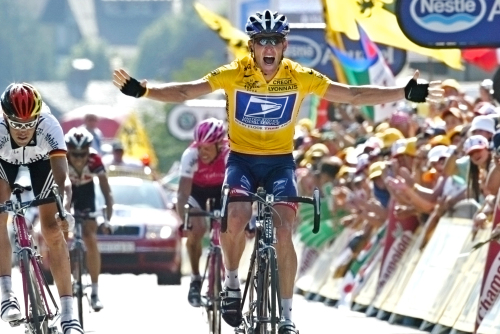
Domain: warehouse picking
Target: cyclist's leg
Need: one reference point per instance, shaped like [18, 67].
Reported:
[42, 180]
[194, 247]
[10, 309]
[83, 200]
[240, 181]
[93, 262]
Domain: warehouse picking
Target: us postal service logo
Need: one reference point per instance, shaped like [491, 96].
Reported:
[264, 112]
[447, 16]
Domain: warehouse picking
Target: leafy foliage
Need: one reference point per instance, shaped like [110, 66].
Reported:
[168, 148]
[164, 46]
[170, 51]
[95, 50]
[27, 50]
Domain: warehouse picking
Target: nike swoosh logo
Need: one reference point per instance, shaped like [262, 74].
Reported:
[409, 93]
[230, 303]
[246, 76]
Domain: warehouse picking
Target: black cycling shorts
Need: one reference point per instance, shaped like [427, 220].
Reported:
[83, 198]
[200, 195]
[40, 175]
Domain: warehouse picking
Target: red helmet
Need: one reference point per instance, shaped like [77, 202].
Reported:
[21, 101]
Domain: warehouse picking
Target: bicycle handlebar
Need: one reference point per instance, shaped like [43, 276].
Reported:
[315, 201]
[216, 214]
[13, 206]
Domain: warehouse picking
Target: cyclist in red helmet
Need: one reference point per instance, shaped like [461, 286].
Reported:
[264, 92]
[30, 135]
[202, 169]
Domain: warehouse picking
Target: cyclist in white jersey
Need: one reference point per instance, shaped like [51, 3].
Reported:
[31, 136]
[202, 170]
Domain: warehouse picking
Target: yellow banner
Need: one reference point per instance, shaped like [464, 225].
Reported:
[135, 140]
[381, 26]
[235, 39]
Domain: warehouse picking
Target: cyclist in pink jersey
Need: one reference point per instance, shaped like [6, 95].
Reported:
[203, 166]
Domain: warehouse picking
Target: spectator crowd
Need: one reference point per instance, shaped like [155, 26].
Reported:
[420, 162]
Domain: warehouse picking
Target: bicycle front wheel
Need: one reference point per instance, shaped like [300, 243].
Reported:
[77, 258]
[216, 316]
[38, 322]
[267, 294]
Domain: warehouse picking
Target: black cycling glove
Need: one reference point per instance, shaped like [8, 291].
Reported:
[133, 88]
[416, 92]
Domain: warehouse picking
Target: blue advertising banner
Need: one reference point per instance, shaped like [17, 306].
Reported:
[450, 23]
[308, 47]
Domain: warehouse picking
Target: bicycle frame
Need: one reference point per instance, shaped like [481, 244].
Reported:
[214, 270]
[262, 285]
[35, 286]
[77, 254]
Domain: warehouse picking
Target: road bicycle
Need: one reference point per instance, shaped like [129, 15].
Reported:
[78, 257]
[214, 270]
[39, 316]
[262, 284]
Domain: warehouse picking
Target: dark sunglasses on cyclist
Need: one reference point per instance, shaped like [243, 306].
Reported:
[78, 154]
[22, 125]
[269, 40]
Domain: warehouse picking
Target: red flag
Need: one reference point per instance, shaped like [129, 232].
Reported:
[397, 241]
[485, 58]
[490, 287]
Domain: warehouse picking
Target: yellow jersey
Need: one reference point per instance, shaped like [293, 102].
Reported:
[261, 115]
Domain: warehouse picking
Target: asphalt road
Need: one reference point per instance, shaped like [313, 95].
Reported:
[136, 304]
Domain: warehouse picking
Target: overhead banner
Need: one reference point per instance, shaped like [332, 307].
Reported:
[450, 23]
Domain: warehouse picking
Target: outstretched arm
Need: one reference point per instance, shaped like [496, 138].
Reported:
[371, 95]
[170, 92]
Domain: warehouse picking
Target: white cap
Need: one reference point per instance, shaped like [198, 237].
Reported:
[484, 123]
[363, 161]
[476, 142]
[487, 109]
[397, 144]
[437, 152]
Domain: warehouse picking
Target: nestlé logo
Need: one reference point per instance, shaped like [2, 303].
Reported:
[447, 16]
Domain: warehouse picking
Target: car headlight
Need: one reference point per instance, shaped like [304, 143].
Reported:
[158, 232]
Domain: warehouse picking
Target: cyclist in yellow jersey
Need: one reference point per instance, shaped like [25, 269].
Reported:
[264, 92]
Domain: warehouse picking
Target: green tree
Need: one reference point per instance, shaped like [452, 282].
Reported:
[165, 45]
[179, 48]
[95, 50]
[26, 46]
[168, 148]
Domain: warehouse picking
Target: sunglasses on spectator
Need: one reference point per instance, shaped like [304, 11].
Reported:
[22, 125]
[78, 154]
[269, 40]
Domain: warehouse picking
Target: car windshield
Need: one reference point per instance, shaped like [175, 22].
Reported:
[141, 194]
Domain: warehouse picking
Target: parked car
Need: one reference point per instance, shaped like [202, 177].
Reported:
[144, 231]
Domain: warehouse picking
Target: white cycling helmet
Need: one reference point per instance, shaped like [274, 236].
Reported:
[267, 23]
[78, 138]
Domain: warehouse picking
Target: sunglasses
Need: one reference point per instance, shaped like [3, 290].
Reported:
[79, 155]
[22, 125]
[269, 40]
